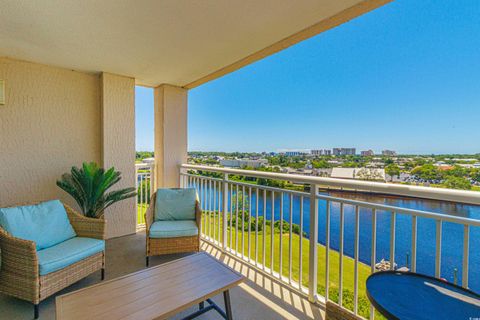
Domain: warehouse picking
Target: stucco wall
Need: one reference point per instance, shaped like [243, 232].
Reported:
[51, 121]
[55, 118]
[118, 134]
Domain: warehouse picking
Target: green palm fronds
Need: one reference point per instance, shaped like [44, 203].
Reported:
[88, 185]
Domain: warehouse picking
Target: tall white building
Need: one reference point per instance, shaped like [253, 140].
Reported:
[367, 153]
[293, 153]
[321, 152]
[390, 153]
[240, 163]
[344, 151]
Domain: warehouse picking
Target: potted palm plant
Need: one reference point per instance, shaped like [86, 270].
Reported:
[89, 186]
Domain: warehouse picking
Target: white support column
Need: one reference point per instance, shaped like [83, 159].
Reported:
[118, 147]
[170, 134]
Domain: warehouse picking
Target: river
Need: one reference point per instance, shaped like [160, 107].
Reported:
[452, 234]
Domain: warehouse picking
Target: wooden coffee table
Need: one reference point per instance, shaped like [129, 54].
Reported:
[155, 293]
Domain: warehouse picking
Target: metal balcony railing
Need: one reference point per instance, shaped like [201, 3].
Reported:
[144, 183]
[278, 230]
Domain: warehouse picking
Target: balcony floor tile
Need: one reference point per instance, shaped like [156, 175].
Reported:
[258, 298]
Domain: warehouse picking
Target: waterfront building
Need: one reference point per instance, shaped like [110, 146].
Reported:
[344, 151]
[241, 163]
[367, 153]
[389, 153]
[321, 152]
[295, 153]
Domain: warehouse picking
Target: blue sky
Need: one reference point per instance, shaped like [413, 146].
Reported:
[404, 77]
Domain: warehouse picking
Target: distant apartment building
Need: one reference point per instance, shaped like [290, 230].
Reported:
[321, 152]
[295, 153]
[344, 151]
[389, 153]
[241, 163]
[367, 153]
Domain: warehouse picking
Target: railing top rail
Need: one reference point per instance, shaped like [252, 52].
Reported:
[419, 213]
[471, 197]
[143, 165]
[362, 204]
[249, 185]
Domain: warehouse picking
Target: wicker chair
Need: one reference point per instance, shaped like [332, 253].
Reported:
[19, 273]
[160, 246]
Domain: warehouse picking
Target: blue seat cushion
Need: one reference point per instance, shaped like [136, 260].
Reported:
[175, 204]
[46, 223]
[173, 229]
[68, 252]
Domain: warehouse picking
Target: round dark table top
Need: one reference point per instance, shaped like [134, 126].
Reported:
[408, 295]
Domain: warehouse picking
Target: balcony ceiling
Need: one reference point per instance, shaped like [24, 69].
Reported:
[184, 43]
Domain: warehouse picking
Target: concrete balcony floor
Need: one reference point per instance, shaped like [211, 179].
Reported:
[257, 298]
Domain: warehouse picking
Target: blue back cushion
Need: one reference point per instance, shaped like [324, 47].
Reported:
[175, 204]
[46, 223]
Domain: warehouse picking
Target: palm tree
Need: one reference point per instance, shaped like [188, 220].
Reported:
[88, 185]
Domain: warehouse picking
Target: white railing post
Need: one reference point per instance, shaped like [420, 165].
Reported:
[224, 211]
[313, 253]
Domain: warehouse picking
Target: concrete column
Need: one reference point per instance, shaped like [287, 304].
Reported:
[118, 147]
[170, 134]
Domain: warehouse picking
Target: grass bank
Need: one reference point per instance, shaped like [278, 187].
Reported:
[299, 261]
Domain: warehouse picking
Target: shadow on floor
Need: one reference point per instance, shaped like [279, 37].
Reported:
[258, 298]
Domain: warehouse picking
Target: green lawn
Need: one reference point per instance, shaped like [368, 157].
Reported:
[141, 209]
[334, 259]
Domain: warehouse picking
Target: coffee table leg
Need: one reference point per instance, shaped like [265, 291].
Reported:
[201, 305]
[228, 306]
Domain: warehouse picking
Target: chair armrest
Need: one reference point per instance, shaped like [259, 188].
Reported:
[198, 216]
[84, 226]
[19, 263]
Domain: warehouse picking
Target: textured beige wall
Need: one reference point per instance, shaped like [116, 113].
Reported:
[171, 107]
[51, 121]
[55, 118]
[118, 134]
